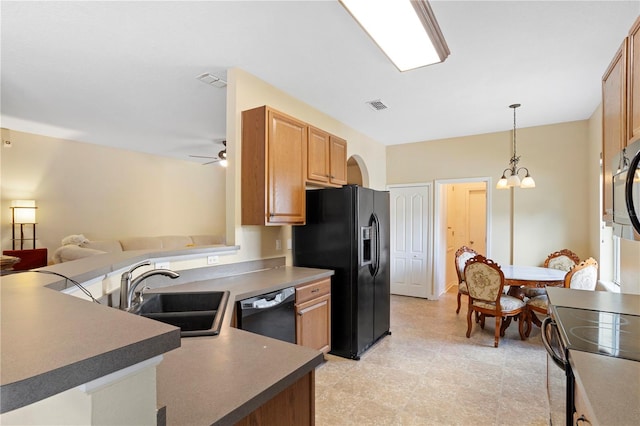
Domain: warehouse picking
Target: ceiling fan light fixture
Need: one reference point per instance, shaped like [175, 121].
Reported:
[406, 31]
[222, 155]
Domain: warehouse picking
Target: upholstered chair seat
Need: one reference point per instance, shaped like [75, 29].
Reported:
[562, 260]
[540, 302]
[583, 276]
[485, 282]
[507, 303]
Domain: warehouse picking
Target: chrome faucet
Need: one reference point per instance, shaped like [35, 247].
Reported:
[128, 285]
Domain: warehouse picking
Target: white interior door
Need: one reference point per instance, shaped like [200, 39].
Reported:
[410, 218]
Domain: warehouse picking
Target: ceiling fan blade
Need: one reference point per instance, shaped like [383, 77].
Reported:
[201, 156]
[210, 162]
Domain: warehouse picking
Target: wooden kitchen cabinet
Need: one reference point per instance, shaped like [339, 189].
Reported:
[274, 150]
[620, 111]
[633, 83]
[295, 405]
[326, 159]
[338, 160]
[318, 156]
[614, 109]
[313, 315]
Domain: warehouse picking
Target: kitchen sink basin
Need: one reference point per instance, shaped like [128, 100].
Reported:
[195, 313]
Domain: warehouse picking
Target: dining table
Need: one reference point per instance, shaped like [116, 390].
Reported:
[516, 277]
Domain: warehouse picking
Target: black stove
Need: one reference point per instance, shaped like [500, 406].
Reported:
[605, 333]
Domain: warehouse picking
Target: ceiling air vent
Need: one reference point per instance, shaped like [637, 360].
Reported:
[211, 79]
[377, 105]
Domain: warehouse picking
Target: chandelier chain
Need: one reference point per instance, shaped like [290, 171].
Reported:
[512, 171]
[515, 159]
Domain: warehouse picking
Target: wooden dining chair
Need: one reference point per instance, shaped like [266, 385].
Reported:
[485, 283]
[582, 276]
[562, 260]
[463, 254]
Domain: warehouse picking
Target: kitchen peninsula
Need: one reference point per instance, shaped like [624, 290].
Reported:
[53, 342]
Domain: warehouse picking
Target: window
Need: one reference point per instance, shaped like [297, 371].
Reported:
[616, 260]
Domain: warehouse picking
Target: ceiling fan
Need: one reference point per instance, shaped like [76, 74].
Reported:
[221, 158]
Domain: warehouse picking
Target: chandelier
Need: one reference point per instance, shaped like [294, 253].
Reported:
[510, 176]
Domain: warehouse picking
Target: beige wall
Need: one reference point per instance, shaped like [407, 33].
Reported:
[246, 91]
[107, 193]
[550, 217]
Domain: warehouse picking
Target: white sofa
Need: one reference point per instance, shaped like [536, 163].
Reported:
[79, 250]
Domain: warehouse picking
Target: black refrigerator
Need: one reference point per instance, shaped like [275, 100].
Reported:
[347, 230]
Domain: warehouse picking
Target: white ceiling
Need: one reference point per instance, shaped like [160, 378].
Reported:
[123, 73]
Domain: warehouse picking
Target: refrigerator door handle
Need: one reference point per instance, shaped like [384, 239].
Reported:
[375, 226]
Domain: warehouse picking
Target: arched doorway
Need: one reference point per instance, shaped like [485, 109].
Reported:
[357, 173]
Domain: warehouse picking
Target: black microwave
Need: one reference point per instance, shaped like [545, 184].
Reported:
[626, 193]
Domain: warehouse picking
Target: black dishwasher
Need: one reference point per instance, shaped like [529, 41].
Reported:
[271, 314]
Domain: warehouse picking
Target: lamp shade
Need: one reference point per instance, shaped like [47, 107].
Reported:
[24, 211]
[502, 183]
[528, 182]
[513, 180]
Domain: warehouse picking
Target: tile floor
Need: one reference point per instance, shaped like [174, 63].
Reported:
[428, 373]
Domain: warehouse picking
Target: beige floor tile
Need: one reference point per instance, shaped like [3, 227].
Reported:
[427, 372]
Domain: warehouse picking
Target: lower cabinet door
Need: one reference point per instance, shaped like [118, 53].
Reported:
[313, 323]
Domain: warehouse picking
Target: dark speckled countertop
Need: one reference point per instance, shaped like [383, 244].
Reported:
[611, 385]
[201, 380]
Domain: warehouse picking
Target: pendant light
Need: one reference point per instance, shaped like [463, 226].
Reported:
[510, 176]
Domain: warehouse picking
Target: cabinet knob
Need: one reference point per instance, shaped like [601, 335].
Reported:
[315, 290]
[271, 215]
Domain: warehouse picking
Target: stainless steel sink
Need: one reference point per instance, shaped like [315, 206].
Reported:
[195, 313]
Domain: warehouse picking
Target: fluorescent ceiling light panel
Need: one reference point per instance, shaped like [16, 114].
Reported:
[406, 31]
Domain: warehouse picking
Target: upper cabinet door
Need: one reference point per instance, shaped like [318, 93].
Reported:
[614, 108]
[318, 155]
[274, 149]
[338, 155]
[287, 143]
[633, 82]
[326, 159]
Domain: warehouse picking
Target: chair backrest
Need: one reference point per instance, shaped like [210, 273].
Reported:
[463, 254]
[583, 276]
[564, 260]
[484, 278]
